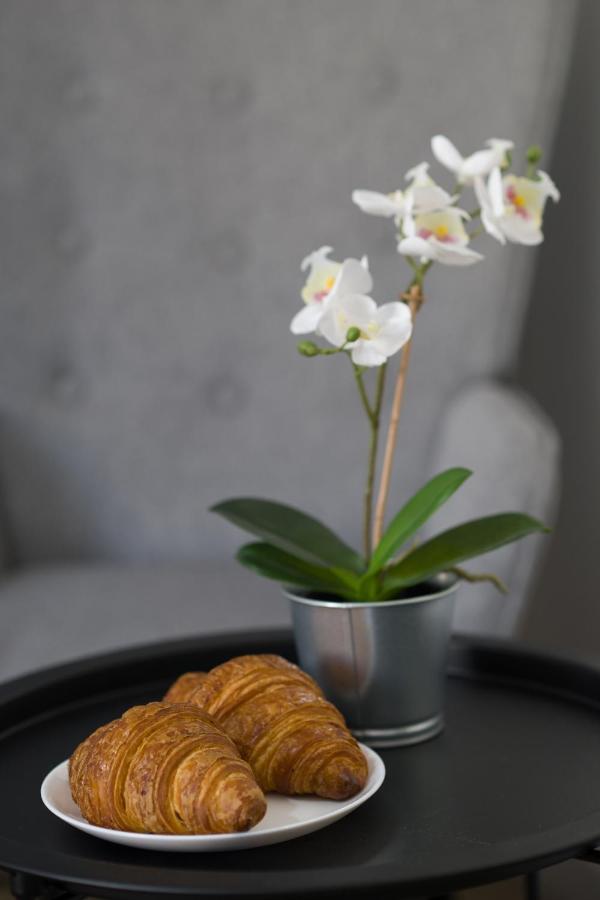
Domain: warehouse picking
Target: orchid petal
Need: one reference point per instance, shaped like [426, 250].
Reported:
[342, 312]
[458, 213]
[483, 161]
[415, 246]
[315, 257]
[365, 353]
[409, 227]
[500, 146]
[548, 186]
[392, 341]
[491, 201]
[481, 193]
[376, 204]
[518, 231]
[446, 153]
[396, 327]
[454, 254]
[430, 197]
[419, 174]
[490, 226]
[307, 320]
[359, 308]
[394, 312]
[331, 328]
[479, 163]
[496, 192]
[353, 278]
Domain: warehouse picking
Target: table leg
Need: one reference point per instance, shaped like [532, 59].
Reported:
[24, 887]
[30, 887]
[533, 886]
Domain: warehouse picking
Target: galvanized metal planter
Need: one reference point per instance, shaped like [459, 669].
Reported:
[382, 664]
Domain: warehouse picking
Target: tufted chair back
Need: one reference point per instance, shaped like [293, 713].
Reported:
[164, 166]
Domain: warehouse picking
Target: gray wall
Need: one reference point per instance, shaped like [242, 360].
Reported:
[560, 360]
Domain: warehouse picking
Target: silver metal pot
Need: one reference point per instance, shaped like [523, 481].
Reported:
[382, 664]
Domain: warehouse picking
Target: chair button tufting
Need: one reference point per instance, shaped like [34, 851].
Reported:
[230, 94]
[225, 395]
[226, 251]
[78, 93]
[65, 387]
[381, 83]
[72, 243]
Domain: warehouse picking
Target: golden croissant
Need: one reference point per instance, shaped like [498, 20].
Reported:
[164, 768]
[294, 739]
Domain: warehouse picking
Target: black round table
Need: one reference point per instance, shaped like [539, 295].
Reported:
[511, 786]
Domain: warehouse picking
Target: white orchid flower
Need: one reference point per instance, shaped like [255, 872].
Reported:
[478, 164]
[422, 195]
[438, 236]
[427, 195]
[512, 208]
[383, 329]
[325, 278]
[394, 205]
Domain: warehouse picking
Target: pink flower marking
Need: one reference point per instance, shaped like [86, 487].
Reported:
[516, 202]
[443, 236]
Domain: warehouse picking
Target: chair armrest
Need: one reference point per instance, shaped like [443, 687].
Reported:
[514, 450]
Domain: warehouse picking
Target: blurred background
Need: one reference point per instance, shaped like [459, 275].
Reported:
[164, 167]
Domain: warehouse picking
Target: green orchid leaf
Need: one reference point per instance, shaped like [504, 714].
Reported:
[292, 531]
[414, 513]
[457, 544]
[272, 562]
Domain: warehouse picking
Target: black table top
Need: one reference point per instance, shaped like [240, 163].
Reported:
[510, 786]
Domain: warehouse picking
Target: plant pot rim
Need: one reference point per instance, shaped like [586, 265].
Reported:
[436, 587]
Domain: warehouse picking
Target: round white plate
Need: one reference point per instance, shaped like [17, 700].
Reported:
[286, 817]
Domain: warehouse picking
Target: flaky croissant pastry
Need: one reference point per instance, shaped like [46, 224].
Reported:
[164, 768]
[295, 741]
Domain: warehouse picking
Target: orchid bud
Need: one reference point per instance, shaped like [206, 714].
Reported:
[534, 155]
[307, 348]
[352, 334]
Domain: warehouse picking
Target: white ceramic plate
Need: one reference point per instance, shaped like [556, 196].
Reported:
[286, 817]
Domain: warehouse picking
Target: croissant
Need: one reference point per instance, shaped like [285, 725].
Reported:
[294, 739]
[164, 768]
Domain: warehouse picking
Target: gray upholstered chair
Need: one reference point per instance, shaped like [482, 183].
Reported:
[164, 166]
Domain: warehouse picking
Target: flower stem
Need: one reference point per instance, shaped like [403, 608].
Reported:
[476, 232]
[414, 298]
[368, 514]
[363, 392]
[373, 414]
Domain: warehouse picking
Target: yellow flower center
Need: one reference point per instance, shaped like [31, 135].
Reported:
[441, 232]
[520, 202]
[320, 283]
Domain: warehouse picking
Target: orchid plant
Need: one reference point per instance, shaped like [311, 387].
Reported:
[431, 227]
